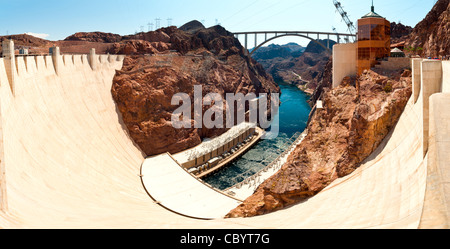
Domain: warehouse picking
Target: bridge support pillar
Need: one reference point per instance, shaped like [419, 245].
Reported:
[328, 41]
[246, 40]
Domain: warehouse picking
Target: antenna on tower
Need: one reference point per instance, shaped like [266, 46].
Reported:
[350, 26]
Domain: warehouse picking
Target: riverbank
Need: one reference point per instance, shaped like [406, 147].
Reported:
[293, 117]
[355, 118]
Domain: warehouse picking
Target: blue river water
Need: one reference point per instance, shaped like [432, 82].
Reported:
[293, 117]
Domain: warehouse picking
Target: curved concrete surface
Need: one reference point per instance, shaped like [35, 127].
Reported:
[68, 163]
[175, 189]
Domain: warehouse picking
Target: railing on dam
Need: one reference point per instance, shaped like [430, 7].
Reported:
[55, 63]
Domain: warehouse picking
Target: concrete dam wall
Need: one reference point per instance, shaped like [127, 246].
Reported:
[67, 161]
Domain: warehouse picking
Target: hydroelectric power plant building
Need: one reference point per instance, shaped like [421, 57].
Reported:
[66, 160]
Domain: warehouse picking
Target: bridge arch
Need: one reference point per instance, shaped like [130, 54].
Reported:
[283, 35]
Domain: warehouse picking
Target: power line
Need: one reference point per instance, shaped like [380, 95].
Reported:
[268, 18]
[259, 13]
[246, 7]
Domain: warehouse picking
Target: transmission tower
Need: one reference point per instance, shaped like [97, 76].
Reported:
[150, 26]
[157, 21]
[350, 26]
[169, 22]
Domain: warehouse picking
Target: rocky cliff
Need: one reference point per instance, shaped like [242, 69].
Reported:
[431, 37]
[356, 117]
[324, 80]
[399, 32]
[95, 37]
[178, 60]
[295, 67]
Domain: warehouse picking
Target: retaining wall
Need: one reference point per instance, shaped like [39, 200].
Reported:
[344, 61]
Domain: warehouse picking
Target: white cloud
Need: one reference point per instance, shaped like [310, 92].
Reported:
[42, 36]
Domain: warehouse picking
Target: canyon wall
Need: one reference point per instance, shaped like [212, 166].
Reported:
[295, 64]
[144, 87]
[356, 117]
[431, 36]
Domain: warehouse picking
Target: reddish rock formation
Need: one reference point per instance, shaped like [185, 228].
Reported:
[25, 40]
[290, 67]
[323, 81]
[356, 117]
[399, 32]
[133, 47]
[144, 88]
[28, 41]
[431, 37]
[192, 26]
[95, 37]
[152, 36]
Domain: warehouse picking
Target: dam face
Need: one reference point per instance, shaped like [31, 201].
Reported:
[67, 161]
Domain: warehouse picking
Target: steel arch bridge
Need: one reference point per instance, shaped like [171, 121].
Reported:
[311, 35]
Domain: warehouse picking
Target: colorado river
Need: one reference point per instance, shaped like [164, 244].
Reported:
[294, 111]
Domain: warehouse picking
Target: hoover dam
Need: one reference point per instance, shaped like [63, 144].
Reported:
[67, 160]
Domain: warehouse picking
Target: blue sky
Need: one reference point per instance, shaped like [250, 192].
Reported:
[56, 20]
